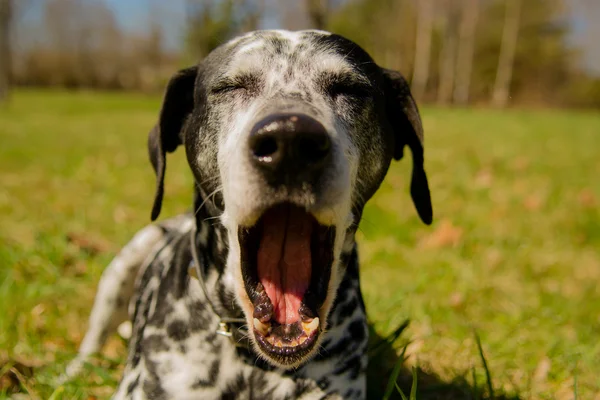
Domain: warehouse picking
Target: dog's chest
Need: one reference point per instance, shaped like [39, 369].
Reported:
[176, 352]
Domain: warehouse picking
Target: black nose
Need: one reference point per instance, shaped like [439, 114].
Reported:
[290, 148]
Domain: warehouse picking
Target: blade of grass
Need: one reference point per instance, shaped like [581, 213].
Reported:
[413, 389]
[57, 393]
[389, 339]
[400, 391]
[4, 370]
[392, 379]
[488, 375]
[475, 391]
[25, 385]
[575, 389]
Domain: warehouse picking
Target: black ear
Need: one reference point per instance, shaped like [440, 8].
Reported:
[178, 103]
[403, 115]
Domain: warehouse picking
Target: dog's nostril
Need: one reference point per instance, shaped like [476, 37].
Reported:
[264, 147]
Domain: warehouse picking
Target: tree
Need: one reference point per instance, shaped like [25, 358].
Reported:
[5, 48]
[318, 11]
[212, 22]
[510, 35]
[449, 24]
[466, 48]
[385, 28]
[422, 48]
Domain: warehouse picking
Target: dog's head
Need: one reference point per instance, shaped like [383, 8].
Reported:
[288, 135]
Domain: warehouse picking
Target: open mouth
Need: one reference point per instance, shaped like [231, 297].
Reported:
[286, 260]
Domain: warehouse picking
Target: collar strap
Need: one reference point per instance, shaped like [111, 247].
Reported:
[231, 327]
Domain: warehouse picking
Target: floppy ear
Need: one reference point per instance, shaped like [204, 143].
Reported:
[178, 103]
[404, 117]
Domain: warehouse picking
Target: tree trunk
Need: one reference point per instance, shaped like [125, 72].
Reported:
[510, 35]
[5, 50]
[448, 53]
[464, 62]
[422, 48]
[318, 11]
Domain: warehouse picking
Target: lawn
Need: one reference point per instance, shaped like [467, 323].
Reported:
[513, 254]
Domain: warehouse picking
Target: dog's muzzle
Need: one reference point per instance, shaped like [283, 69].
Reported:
[287, 254]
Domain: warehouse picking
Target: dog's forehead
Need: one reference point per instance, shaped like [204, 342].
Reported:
[304, 51]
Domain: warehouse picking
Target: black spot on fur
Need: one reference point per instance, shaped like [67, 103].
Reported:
[347, 309]
[338, 347]
[152, 387]
[277, 44]
[302, 387]
[351, 365]
[213, 373]
[133, 385]
[357, 330]
[199, 316]
[155, 343]
[235, 388]
[178, 330]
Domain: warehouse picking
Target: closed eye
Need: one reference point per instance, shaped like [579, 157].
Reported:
[349, 89]
[341, 85]
[227, 87]
[238, 83]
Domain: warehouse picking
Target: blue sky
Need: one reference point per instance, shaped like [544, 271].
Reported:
[136, 14]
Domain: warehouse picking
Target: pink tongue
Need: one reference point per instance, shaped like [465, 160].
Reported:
[284, 260]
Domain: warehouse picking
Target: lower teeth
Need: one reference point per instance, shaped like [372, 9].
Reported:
[262, 328]
[308, 328]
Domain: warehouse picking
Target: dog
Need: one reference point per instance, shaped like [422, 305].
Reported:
[255, 293]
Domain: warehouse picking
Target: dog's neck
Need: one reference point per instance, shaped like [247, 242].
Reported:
[211, 243]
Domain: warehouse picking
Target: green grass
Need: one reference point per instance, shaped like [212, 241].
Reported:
[513, 253]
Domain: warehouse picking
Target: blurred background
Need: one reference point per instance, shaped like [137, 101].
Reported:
[509, 94]
[498, 52]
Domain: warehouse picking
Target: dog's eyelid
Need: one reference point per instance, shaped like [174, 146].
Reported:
[226, 88]
[243, 81]
[346, 84]
[227, 85]
[350, 87]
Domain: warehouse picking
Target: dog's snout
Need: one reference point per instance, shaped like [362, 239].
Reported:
[289, 147]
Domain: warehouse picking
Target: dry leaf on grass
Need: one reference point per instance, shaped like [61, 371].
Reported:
[533, 202]
[587, 198]
[88, 244]
[446, 235]
[456, 300]
[484, 178]
[520, 164]
[14, 375]
[541, 371]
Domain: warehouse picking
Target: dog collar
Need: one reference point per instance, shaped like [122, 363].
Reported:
[230, 327]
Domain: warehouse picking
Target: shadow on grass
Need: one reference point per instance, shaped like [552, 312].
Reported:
[385, 363]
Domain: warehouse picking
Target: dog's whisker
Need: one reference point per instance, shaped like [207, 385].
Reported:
[209, 179]
[214, 193]
[211, 218]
